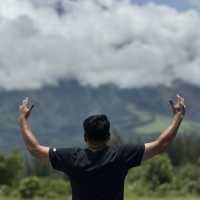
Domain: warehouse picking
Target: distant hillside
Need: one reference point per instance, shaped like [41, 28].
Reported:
[59, 111]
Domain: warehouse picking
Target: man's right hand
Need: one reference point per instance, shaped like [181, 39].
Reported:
[37, 150]
[24, 109]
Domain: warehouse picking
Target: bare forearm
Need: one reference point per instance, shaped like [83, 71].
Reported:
[168, 135]
[29, 139]
[161, 144]
[37, 150]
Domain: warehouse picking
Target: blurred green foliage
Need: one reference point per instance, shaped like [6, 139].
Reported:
[175, 173]
[10, 167]
[29, 187]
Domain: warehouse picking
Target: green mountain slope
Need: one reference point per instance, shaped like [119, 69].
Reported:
[59, 111]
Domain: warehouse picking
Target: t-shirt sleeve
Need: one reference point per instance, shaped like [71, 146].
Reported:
[61, 158]
[132, 155]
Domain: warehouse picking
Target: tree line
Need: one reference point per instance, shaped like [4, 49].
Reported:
[175, 173]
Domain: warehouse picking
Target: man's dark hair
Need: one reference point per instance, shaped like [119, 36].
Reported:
[97, 127]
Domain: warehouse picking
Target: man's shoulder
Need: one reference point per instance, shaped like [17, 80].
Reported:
[66, 150]
[122, 149]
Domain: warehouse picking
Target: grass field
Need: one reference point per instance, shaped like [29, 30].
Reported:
[161, 122]
[130, 198]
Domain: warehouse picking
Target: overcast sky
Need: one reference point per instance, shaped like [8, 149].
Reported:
[123, 42]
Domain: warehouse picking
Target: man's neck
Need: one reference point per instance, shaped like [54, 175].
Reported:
[97, 147]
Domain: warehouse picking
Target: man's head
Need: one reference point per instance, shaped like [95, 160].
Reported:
[96, 129]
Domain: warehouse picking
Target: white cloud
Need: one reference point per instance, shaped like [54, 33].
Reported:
[97, 42]
[194, 3]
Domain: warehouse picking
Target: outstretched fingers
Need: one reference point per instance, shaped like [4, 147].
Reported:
[24, 107]
[25, 101]
[178, 99]
[181, 101]
[179, 106]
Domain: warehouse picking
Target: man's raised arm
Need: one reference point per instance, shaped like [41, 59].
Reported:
[161, 144]
[31, 142]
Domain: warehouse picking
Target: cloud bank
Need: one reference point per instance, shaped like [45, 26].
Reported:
[96, 42]
[194, 3]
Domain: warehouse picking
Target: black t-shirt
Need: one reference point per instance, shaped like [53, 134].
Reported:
[97, 175]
